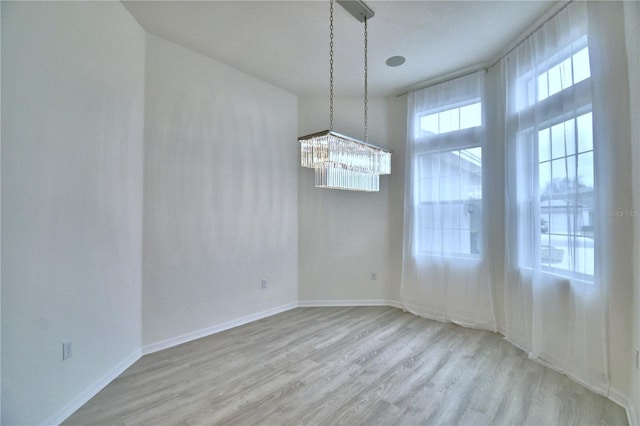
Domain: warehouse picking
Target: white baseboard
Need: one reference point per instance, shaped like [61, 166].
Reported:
[349, 302]
[184, 338]
[631, 415]
[622, 400]
[63, 413]
[618, 397]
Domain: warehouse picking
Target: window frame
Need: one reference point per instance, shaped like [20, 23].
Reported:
[427, 144]
[531, 118]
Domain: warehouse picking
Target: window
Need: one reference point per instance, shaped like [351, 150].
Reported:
[565, 176]
[452, 119]
[448, 181]
[556, 139]
[570, 71]
[563, 70]
[450, 202]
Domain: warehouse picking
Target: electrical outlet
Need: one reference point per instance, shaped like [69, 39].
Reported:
[263, 283]
[66, 350]
[374, 276]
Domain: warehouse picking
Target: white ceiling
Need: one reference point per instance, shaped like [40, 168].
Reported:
[286, 43]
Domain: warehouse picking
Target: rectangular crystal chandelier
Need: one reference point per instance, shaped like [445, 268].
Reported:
[342, 162]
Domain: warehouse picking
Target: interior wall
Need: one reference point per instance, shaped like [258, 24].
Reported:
[632, 33]
[343, 235]
[72, 141]
[220, 194]
[0, 211]
[494, 179]
[397, 113]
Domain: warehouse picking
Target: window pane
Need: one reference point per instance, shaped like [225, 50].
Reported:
[558, 178]
[571, 172]
[451, 241]
[585, 133]
[557, 141]
[584, 255]
[570, 136]
[429, 216]
[429, 124]
[435, 242]
[428, 189]
[565, 73]
[585, 170]
[467, 243]
[531, 93]
[555, 80]
[450, 120]
[471, 116]
[545, 248]
[473, 155]
[451, 209]
[447, 164]
[543, 89]
[545, 180]
[429, 239]
[450, 215]
[471, 173]
[558, 225]
[450, 188]
[581, 70]
[559, 254]
[423, 165]
[544, 145]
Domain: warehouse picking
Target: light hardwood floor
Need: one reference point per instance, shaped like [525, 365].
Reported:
[355, 366]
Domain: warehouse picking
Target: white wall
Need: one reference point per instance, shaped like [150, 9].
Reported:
[343, 235]
[397, 116]
[0, 211]
[72, 140]
[632, 27]
[220, 195]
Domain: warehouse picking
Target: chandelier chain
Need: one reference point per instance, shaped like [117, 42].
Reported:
[331, 65]
[366, 89]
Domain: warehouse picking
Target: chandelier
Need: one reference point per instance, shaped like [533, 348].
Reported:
[339, 161]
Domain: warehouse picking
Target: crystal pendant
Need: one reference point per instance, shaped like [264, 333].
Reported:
[341, 162]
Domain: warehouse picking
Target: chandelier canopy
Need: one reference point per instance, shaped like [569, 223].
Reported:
[343, 162]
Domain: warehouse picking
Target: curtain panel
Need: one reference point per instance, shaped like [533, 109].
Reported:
[445, 273]
[514, 177]
[555, 299]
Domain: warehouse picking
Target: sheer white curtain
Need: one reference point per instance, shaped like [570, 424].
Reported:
[445, 273]
[555, 294]
[532, 214]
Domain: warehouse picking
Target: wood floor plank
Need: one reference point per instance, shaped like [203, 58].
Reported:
[346, 365]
